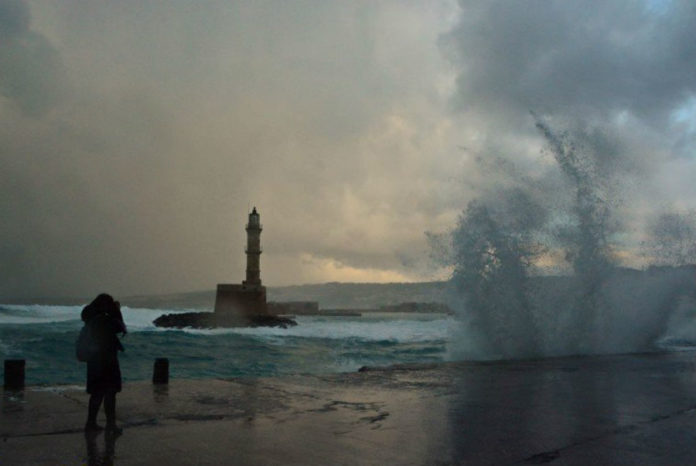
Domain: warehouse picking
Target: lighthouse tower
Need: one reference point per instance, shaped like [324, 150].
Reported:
[237, 304]
[253, 250]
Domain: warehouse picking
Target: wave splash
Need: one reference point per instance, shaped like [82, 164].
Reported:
[509, 308]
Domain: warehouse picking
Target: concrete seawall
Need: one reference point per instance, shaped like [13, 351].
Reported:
[628, 409]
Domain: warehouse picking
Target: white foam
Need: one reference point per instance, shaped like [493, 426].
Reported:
[137, 319]
[57, 388]
[680, 333]
[339, 328]
[37, 313]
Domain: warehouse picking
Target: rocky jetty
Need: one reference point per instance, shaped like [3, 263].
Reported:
[213, 320]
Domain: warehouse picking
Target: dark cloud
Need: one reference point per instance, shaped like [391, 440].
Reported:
[585, 59]
[615, 77]
[153, 127]
[134, 135]
[14, 18]
[30, 68]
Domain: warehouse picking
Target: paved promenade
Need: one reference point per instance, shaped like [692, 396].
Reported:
[609, 410]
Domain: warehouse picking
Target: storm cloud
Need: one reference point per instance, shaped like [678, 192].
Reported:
[135, 135]
[620, 75]
[31, 76]
[169, 121]
[624, 66]
[586, 60]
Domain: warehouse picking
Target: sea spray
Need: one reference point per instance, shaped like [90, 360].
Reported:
[585, 236]
[491, 270]
[671, 238]
[511, 310]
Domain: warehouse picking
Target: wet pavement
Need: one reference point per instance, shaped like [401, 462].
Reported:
[628, 409]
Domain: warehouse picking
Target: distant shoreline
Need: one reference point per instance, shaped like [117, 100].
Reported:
[329, 295]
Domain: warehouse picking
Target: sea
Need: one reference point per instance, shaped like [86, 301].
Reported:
[44, 336]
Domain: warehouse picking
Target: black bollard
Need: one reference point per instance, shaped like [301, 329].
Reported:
[14, 374]
[160, 374]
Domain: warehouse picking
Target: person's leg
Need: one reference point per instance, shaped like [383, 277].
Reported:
[110, 410]
[95, 401]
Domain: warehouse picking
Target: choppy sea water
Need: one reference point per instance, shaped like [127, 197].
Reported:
[45, 335]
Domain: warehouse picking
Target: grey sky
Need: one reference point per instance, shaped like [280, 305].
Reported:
[134, 135]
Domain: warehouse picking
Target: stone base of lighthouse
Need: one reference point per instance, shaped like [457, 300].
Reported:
[235, 306]
[238, 303]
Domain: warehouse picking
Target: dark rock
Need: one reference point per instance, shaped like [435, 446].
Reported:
[211, 320]
[271, 321]
[186, 319]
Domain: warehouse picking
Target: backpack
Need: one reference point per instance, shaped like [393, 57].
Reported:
[86, 347]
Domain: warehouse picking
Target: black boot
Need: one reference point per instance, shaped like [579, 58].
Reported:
[110, 410]
[95, 400]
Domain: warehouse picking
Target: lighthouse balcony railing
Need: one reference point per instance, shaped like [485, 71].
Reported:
[259, 249]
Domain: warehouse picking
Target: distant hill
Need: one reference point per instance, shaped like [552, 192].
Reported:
[361, 295]
[329, 295]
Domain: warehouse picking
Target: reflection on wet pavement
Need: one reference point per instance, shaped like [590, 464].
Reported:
[13, 401]
[604, 410]
[97, 456]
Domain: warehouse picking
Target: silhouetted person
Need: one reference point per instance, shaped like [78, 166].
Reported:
[103, 316]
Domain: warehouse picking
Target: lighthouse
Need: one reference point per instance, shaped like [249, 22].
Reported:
[253, 250]
[237, 304]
